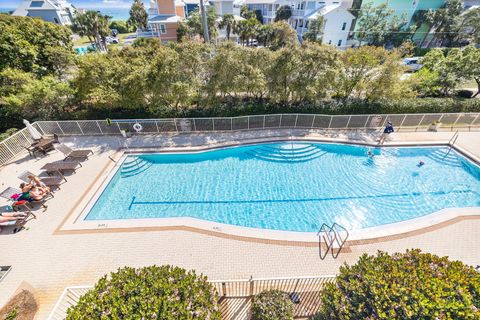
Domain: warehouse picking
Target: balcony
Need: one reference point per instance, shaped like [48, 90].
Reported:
[298, 13]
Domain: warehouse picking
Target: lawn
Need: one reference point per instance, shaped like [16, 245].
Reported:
[83, 41]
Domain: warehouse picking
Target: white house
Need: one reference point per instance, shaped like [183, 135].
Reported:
[56, 11]
[223, 7]
[338, 20]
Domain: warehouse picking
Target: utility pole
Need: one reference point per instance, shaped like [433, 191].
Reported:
[206, 37]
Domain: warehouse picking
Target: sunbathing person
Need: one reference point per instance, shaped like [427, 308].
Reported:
[13, 214]
[35, 181]
[4, 219]
[32, 192]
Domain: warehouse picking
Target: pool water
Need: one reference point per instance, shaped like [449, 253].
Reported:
[293, 186]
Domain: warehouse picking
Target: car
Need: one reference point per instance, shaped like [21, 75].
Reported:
[112, 40]
[413, 63]
[114, 32]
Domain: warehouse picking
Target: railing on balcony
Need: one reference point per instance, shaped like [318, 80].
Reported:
[14, 145]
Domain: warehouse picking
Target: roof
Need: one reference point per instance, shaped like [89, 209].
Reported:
[35, 5]
[323, 11]
[260, 1]
[167, 18]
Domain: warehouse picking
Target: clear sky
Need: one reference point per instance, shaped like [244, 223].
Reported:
[81, 3]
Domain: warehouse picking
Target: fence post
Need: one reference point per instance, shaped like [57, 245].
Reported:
[471, 123]
[224, 289]
[194, 126]
[280, 121]
[348, 122]
[313, 121]
[63, 133]
[458, 118]
[174, 121]
[251, 286]
[23, 134]
[213, 124]
[98, 125]
[296, 118]
[10, 150]
[248, 122]
[231, 123]
[78, 124]
[330, 123]
[40, 127]
[263, 122]
[418, 125]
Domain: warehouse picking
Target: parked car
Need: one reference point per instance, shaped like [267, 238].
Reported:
[413, 63]
[114, 32]
[112, 40]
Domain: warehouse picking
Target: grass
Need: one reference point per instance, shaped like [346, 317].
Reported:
[83, 41]
[469, 84]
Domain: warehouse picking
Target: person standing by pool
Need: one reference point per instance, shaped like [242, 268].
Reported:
[388, 129]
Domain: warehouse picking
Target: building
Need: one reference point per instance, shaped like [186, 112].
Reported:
[163, 19]
[57, 11]
[338, 19]
[223, 7]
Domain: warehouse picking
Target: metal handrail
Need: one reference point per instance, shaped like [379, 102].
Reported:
[331, 235]
[451, 142]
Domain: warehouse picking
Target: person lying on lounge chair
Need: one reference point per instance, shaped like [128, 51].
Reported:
[16, 215]
[32, 192]
[4, 219]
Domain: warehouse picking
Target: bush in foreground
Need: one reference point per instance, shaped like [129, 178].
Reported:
[153, 292]
[411, 285]
[272, 305]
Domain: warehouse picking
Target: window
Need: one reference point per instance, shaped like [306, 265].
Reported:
[344, 26]
[339, 43]
[163, 30]
[56, 20]
[301, 24]
[329, 41]
[36, 4]
[306, 24]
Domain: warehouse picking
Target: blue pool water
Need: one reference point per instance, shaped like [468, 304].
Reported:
[291, 186]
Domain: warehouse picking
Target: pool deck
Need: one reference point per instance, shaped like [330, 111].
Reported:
[49, 260]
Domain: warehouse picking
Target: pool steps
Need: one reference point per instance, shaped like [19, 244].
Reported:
[133, 166]
[291, 153]
[443, 157]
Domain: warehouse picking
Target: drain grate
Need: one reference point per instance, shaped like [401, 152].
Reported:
[3, 271]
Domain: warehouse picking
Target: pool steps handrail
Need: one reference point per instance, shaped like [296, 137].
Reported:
[451, 142]
[331, 235]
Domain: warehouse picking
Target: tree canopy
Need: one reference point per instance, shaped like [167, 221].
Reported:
[94, 26]
[283, 13]
[411, 285]
[33, 45]
[138, 15]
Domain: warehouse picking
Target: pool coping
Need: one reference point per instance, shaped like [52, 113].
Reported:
[72, 224]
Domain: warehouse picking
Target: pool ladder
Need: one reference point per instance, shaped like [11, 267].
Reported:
[451, 142]
[330, 236]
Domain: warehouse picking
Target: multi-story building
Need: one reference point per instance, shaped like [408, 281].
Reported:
[163, 18]
[337, 18]
[56, 11]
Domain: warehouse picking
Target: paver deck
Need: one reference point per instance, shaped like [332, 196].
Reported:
[49, 262]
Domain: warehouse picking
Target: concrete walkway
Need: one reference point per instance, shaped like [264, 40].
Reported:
[51, 262]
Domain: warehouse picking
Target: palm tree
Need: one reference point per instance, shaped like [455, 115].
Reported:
[228, 22]
[94, 26]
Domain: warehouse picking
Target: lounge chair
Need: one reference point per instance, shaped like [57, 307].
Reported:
[55, 181]
[19, 222]
[10, 191]
[61, 166]
[70, 153]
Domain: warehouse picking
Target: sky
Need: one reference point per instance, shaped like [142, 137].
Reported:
[82, 3]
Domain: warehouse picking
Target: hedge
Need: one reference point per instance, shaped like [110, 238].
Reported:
[411, 285]
[165, 292]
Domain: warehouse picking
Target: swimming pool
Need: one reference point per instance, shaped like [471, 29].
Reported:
[291, 186]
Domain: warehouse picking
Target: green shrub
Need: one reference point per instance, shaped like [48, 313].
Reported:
[121, 26]
[272, 305]
[411, 285]
[7, 133]
[153, 292]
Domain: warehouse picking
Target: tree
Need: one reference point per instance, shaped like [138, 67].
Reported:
[444, 22]
[371, 73]
[227, 22]
[33, 45]
[447, 68]
[283, 35]
[470, 26]
[411, 285]
[315, 30]
[272, 305]
[153, 292]
[283, 13]
[94, 26]
[470, 65]
[247, 13]
[138, 15]
[246, 29]
[121, 26]
[194, 23]
[264, 34]
[378, 25]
